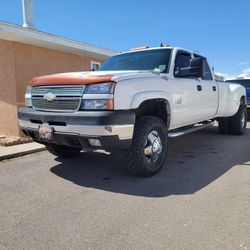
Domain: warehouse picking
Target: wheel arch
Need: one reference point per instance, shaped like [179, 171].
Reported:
[243, 99]
[237, 92]
[159, 107]
[230, 98]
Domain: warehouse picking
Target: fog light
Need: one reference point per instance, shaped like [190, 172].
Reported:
[95, 142]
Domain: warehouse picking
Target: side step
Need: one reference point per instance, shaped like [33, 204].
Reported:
[200, 126]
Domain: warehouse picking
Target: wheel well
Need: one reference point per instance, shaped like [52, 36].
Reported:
[155, 107]
[243, 99]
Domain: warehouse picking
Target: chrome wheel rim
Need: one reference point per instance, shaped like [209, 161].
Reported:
[243, 119]
[152, 147]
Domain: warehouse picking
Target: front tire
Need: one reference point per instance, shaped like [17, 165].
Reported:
[62, 151]
[148, 152]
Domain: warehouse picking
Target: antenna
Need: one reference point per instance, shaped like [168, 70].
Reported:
[28, 20]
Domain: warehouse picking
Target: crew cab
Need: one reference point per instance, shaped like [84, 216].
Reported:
[135, 102]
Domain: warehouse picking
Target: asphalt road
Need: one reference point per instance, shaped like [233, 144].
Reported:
[200, 200]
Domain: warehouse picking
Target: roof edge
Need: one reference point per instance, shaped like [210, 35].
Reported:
[13, 32]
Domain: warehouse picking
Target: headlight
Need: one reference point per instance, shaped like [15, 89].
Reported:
[100, 88]
[98, 96]
[28, 101]
[97, 104]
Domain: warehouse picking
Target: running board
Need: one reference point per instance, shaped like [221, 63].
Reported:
[186, 131]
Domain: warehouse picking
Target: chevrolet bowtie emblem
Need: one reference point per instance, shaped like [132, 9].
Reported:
[49, 97]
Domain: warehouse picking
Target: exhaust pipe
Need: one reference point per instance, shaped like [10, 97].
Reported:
[28, 21]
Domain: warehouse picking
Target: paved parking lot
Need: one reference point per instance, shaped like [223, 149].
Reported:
[200, 200]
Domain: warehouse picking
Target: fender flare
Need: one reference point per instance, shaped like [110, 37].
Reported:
[142, 96]
[145, 96]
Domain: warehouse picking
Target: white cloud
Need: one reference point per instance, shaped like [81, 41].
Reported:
[246, 71]
[222, 76]
[219, 76]
[242, 63]
[243, 73]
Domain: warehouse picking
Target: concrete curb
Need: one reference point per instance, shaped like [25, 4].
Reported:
[19, 150]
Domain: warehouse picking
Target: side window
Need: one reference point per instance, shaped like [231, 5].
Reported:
[208, 74]
[94, 66]
[182, 61]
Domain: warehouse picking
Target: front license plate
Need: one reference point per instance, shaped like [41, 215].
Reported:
[45, 132]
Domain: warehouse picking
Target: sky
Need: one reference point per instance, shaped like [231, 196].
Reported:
[220, 29]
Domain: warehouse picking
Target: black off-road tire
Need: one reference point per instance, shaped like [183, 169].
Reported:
[248, 114]
[224, 125]
[234, 125]
[62, 151]
[137, 163]
[237, 123]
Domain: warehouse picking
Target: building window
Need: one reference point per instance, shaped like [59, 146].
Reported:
[94, 65]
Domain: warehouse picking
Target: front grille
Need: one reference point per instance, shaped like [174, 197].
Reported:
[67, 98]
[60, 105]
[58, 90]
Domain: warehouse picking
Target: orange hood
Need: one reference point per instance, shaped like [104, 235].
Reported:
[77, 78]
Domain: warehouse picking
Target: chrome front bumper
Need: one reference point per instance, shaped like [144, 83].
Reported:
[124, 132]
[110, 127]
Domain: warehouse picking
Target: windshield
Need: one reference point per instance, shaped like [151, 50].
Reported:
[156, 60]
[244, 82]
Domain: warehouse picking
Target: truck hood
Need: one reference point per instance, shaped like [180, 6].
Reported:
[85, 78]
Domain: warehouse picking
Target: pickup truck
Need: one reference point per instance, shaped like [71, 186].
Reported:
[135, 102]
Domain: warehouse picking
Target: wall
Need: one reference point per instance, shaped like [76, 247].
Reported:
[8, 108]
[21, 62]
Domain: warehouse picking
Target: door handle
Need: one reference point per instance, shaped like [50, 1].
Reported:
[199, 87]
[214, 88]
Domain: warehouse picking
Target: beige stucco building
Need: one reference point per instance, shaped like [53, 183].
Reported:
[26, 53]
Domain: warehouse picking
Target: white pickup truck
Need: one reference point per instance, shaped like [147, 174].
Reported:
[134, 102]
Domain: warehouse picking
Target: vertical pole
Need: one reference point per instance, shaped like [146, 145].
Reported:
[28, 21]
